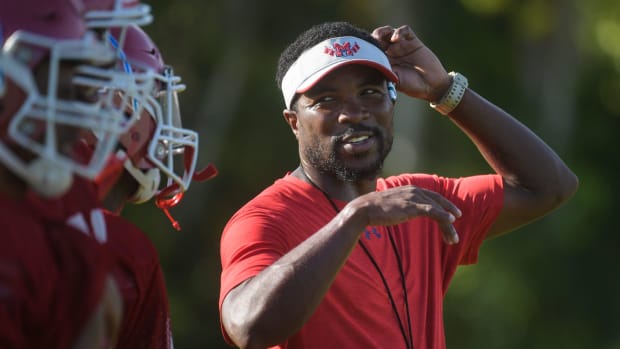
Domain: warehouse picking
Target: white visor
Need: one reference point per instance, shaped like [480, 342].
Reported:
[318, 61]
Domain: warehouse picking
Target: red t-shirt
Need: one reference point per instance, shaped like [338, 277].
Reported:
[146, 318]
[356, 311]
[51, 277]
[136, 269]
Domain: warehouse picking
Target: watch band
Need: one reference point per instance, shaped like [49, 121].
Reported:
[453, 97]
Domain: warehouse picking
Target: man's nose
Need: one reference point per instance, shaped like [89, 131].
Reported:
[353, 111]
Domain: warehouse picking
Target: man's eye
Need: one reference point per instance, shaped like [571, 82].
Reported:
[322, 102]
[370, 91]
[325, 99]
[87, 94]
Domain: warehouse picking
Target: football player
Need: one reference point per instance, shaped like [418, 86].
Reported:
[57, 288]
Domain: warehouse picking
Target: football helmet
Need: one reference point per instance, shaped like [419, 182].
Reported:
[124, 85]
[116, 13]
[44, 107]
[157, 145]
[102, 15]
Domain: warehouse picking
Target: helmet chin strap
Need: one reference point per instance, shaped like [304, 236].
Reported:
[168, 198]
[148, 183]
[172, 195]
[205, 174]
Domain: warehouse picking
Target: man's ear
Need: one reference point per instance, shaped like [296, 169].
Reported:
[290, 116]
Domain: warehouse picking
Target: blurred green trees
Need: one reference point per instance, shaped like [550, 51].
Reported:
[553, 64]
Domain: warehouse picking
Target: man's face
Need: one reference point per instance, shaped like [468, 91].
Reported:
[65, 90]
[345, 125]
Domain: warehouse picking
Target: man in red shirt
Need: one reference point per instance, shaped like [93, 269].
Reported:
[334, 256]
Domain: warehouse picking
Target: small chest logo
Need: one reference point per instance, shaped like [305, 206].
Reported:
[372, 232]
[342, 50]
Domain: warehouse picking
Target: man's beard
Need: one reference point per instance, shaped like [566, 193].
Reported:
[326, 160]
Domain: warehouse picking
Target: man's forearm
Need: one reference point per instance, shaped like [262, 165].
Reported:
[273, 305]
[530, 168]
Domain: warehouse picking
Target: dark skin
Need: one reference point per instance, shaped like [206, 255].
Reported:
[118, 195]
[270, 307]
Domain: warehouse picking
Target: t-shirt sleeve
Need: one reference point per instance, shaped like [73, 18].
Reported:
[50, 284]
[16, 278]
[251, 241]
[152, 330]
[146, 319]
[480, 199]
[83, 270]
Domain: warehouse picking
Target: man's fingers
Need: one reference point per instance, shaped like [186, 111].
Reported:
[383, 33]
[443, 202]
[449, 234]
[443, 218]
[436, 212]
[404, 32]
[399, 204]
[444, 212]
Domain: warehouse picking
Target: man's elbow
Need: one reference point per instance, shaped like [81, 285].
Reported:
[559, 191]
[239, 333]
[567, 187]
[242, 325]
[245, 336]
[554, 192]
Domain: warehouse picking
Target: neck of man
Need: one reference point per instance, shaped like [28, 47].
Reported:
[334, 187]
[120, 193]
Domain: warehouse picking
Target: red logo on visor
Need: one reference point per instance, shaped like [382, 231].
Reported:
[344, 50]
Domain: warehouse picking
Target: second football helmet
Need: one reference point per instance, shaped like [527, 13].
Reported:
[157, 145]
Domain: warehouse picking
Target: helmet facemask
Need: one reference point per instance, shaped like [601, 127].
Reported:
[57, 110]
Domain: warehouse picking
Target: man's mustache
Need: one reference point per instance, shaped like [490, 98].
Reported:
[374, 131]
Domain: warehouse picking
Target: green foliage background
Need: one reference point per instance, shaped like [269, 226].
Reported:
[553, 64]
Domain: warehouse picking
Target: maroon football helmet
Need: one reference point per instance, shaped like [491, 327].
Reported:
[157, 145]
[44, 105]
